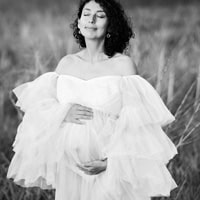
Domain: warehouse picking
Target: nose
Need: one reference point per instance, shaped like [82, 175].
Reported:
[92, 19]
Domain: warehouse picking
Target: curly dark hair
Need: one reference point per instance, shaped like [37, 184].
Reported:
[119, 26]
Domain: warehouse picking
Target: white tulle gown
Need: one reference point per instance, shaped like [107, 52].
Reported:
[126, 129]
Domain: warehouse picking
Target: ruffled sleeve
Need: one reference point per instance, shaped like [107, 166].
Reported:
[32, 93]
[140, 149]
[140, 95]
[34, 162]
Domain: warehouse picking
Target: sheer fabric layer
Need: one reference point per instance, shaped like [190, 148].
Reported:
[48, 149]
[37, 140]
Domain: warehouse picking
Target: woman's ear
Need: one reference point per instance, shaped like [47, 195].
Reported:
[79, 23]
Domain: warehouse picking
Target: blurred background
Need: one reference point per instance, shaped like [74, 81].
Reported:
[35, 35]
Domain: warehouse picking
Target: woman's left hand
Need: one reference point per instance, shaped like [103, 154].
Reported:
[93, 167]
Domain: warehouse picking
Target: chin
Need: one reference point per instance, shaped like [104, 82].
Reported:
[93, 36]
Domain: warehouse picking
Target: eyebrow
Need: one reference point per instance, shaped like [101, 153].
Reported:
[90, 10]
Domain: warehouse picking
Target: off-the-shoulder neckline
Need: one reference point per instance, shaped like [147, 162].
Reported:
[98, 77]
[77, 56]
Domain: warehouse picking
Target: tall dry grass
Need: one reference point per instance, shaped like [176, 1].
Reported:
[166, 50]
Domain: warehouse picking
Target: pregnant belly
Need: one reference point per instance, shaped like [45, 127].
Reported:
[82, 144]
[87, 142]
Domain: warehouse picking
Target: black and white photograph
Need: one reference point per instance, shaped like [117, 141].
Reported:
[99, 100]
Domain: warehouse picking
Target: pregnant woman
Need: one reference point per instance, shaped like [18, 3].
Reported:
[92, 129]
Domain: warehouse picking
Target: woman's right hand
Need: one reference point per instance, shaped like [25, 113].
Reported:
[77, 112]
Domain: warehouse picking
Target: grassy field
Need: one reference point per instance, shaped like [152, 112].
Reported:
[166, 49]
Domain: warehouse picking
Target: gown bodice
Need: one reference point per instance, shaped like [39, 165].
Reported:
[102, 93]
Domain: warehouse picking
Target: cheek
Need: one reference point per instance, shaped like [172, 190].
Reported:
[82, 22]
[103, 25]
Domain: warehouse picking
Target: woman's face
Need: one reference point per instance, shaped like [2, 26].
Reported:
[93, 22]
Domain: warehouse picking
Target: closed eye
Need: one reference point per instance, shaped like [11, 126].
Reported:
[101, 16]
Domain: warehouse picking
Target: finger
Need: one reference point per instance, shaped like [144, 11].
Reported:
[84, 112]
[83, 167]
[84, 108]
[84, 116]
[94, 172]
[88, 168]
[77, 121]
[89, 172]
[94, 163]
[88, 165]
[85, 170]
[98, 171]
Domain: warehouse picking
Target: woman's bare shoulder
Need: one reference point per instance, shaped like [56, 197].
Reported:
[125, 64]
[64, 64]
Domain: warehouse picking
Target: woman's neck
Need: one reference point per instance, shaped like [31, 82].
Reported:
[94, 51]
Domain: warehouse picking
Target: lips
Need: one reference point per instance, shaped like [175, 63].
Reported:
[93, 28]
